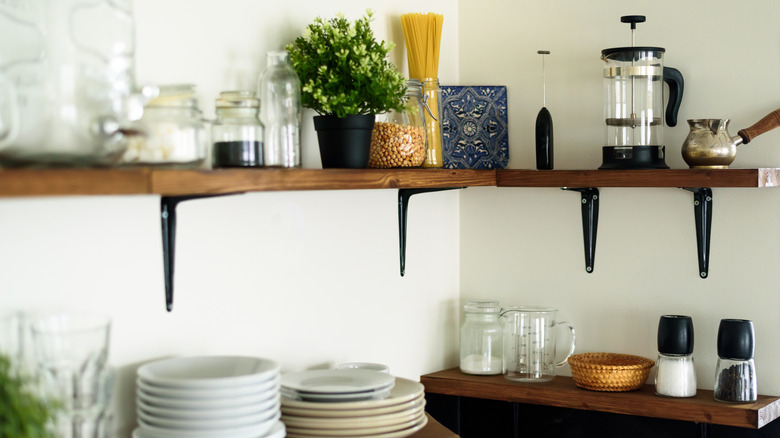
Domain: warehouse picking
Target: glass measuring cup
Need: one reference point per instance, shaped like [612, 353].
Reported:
[529, 343]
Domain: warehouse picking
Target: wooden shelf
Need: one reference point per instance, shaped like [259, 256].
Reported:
[640, 178]
[563, 393]
[174, 182]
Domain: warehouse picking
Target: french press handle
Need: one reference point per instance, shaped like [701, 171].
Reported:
[674, 79]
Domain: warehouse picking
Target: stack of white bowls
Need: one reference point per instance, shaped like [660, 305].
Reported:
[351, 403]
[209, 397]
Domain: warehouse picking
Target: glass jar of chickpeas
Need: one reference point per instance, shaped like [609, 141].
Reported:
[399, 138]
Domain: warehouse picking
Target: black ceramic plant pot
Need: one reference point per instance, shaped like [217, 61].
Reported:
[344, 141]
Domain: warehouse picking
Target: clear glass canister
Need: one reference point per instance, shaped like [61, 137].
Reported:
[735, 374]
[481, 339]
[175, 133]
[432, 93]
[237, 134]
[399, 138]
[675, 372]
[279, 90]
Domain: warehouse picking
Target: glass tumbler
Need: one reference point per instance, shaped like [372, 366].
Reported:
[70, 353]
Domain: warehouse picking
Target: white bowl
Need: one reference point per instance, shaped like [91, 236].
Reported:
[251, 431]
[155, 420]
[196, 414]
[208, 371]
[271, 385]
[277, 431]
[204, 403]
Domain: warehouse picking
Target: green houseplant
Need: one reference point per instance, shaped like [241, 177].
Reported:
[22, 414]
[347, 79]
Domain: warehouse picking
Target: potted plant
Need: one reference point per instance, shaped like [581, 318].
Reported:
[347, 79]
[22, 414]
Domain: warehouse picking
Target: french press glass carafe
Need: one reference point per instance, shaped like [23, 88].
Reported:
[634, 104]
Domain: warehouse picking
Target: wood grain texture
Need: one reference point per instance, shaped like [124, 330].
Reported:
[181, 182]
[639, 178]
[563, 393]
[433, 429]
[60, 182]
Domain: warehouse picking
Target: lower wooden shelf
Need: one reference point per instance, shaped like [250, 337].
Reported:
[562, 392]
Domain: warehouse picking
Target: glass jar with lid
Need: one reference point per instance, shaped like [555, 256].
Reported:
[175, 132]
[399, 138]
[481, 338]
[237, 134]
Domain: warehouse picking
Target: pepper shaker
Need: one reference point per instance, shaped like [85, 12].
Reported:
[675, 375]
[735, 375]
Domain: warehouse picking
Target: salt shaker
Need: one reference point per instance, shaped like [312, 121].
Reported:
[481, 339]
[735, 375]
[675, 375]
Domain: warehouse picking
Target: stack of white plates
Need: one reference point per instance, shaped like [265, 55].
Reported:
[209, 397]
[400, 414]
[339, 385]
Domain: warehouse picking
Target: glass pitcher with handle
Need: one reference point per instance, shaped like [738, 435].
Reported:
[530, 335]
[67, 81]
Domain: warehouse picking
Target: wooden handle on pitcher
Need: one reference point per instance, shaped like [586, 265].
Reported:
[768, 123]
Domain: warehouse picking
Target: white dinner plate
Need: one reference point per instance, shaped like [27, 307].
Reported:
[336, 381]
[378, 394]
[216, 392]
[195, 413]
[404, 390]
[208, 371]
[404, 429]
[403, 417]
[251, 431]
[206, 423]
[346, 413]
[203, 403]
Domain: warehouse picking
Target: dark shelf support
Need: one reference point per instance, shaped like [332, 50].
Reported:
[590, 222]
[168, 206]
[702, 209]
[403, 207]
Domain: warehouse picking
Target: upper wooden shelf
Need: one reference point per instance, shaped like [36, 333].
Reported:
[640, 178]
[172, 182]
[562, 392]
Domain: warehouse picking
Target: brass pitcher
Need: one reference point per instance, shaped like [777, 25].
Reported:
[709, 145]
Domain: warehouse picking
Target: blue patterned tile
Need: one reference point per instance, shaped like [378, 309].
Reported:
[474, 127]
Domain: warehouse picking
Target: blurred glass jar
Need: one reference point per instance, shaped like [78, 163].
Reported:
[279, 89]
[399, 138]
[237, 133]
[174, 131]
[66, 81]
[481, 339]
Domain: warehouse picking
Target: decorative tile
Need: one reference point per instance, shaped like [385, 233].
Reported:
[474, 127]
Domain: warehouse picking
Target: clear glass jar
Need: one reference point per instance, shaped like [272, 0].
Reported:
[432, 92]
[481, 339]
[675, 376]
[399, 138]
[735, 375]
[237, 134]
[175, 133]
[280, 93]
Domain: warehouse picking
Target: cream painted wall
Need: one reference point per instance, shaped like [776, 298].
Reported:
[306, 278]
[524, 246]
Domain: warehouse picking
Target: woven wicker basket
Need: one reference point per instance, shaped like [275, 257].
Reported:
[609, 371]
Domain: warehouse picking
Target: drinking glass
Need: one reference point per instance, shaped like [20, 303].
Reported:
[70, 353]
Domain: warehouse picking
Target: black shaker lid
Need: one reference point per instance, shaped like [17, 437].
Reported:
[736, 339]
[675, 334]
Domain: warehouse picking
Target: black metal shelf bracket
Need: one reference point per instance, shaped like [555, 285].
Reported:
[403, 208]
[168, 206]
[702, 210]
[590, 222]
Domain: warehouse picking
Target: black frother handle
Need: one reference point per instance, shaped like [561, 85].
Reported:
[544, 140]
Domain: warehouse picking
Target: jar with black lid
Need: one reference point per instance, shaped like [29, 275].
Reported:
[735, 375]
[237, 133]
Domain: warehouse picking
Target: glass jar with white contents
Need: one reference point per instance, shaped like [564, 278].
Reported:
[174, 131]
[481, 339]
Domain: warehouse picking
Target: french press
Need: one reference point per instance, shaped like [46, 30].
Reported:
[634, 103]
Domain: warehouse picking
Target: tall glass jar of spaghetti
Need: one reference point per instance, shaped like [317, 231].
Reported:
[399, 138]
[432, 99]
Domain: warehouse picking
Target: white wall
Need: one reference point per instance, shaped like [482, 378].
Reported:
[310, 279]
[524, 246]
